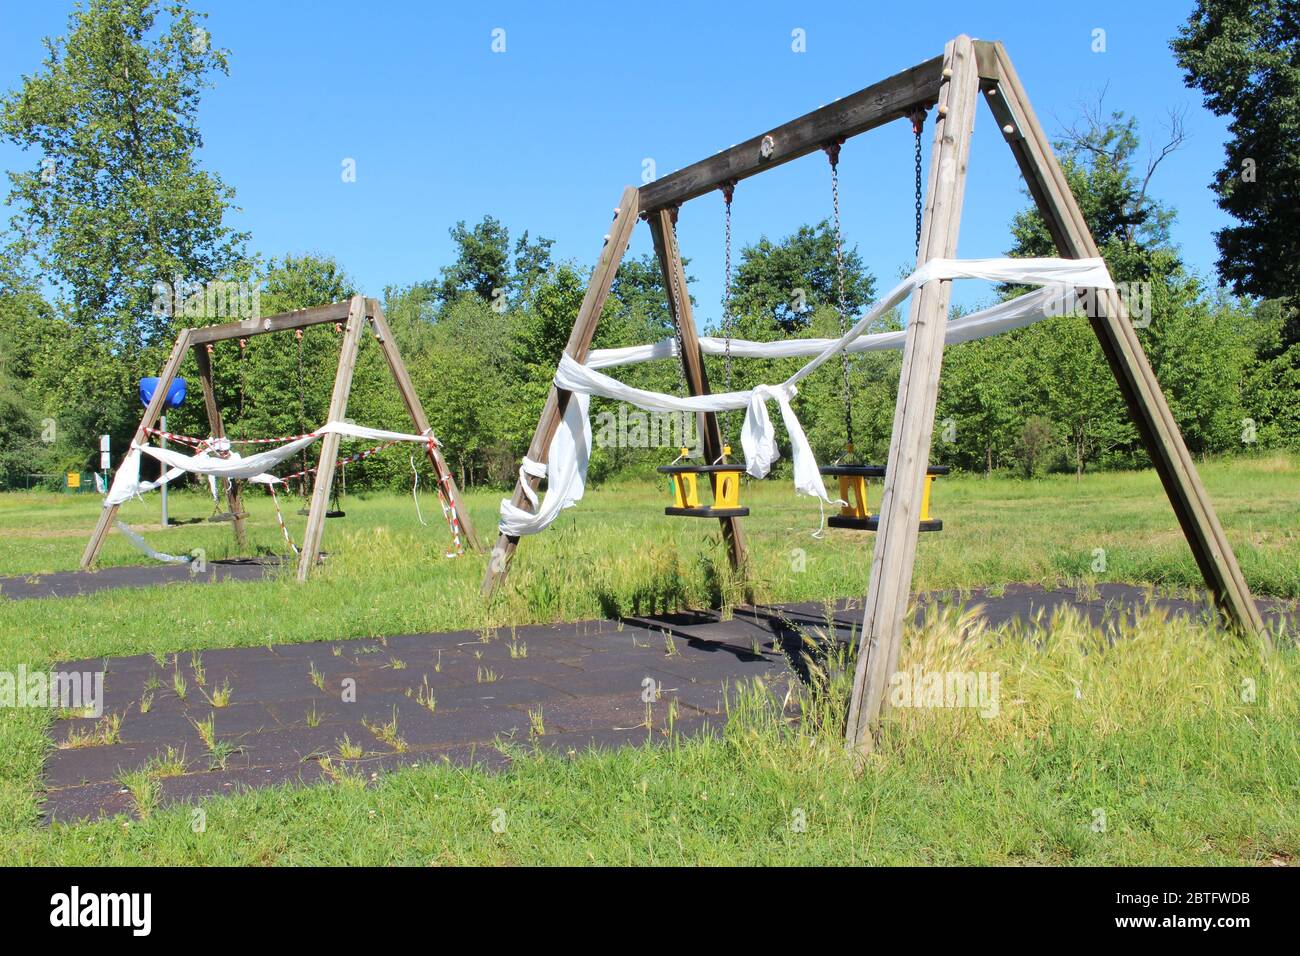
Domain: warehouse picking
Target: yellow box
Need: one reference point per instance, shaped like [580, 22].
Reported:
[726, 489]
[686, 492]
[853, 492]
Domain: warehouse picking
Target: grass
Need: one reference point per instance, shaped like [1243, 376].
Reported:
[386, 733]
[1160, 759]
[104, 733]
[1155, 732]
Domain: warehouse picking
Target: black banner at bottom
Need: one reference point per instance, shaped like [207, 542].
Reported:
[309, 905]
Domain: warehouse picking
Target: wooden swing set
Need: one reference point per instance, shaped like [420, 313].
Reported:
[949, 84]
[355, 316]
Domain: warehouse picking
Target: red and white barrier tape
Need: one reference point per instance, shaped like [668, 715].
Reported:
[192, 440]
[444, 498]
[279, 516]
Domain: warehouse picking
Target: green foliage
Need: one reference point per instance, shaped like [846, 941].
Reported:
[980, 401]
[772, 278]
[1244, 56]
[19, 435]
[114, 200]
[114, 108]
[639, 288]
[484, 265]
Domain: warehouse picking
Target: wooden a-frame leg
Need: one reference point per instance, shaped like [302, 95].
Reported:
[416, 410]
[150, 418]
[584, 327]
[664, 233]
[1120, 344]
[217, 429]
[329, 451]
[889, 591]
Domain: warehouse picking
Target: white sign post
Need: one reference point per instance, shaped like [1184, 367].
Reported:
[162, 424]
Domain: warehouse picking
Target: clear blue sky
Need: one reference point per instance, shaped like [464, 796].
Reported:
[545, 135]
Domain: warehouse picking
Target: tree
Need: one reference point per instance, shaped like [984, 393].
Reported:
[1034, 443]
[260, 386]
[789, 280]
[18, 427]
[484, 265]
[1099, 159]
[1244, 56]
[1078, 392]
[982, 397]
[639, 288]
[115, 200]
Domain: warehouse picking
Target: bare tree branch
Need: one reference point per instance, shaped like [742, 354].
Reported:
[1177, 128]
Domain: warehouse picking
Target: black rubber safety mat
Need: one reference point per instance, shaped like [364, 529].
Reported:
[298, 713]
[74, 583]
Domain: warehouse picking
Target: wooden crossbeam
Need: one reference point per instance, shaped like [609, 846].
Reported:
[283, 322]
[864, 110]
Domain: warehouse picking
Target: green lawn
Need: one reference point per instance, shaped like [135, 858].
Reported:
[1146, 752]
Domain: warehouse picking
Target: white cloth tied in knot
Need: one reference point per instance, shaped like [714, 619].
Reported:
[571, 448]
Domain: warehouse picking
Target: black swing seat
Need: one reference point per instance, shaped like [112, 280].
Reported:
[336, 513]
[873, 523]
[871, 471]
[222, 516]
[696, 469]
[707, 512]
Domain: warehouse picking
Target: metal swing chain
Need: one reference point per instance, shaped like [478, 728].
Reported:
[677, 310]
[918, 121]
[833, 153]
[302, 405]
[302, 388]
[728, 190]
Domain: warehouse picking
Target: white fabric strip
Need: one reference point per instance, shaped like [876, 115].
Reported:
[569, 455]
[1059, 277]
[255, 468]
[1015, 313]
[143, 546]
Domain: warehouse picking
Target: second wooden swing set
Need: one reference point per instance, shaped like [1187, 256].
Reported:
[950, 85]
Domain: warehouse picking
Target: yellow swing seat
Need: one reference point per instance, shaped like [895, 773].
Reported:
[855, 514]
[725, 480]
